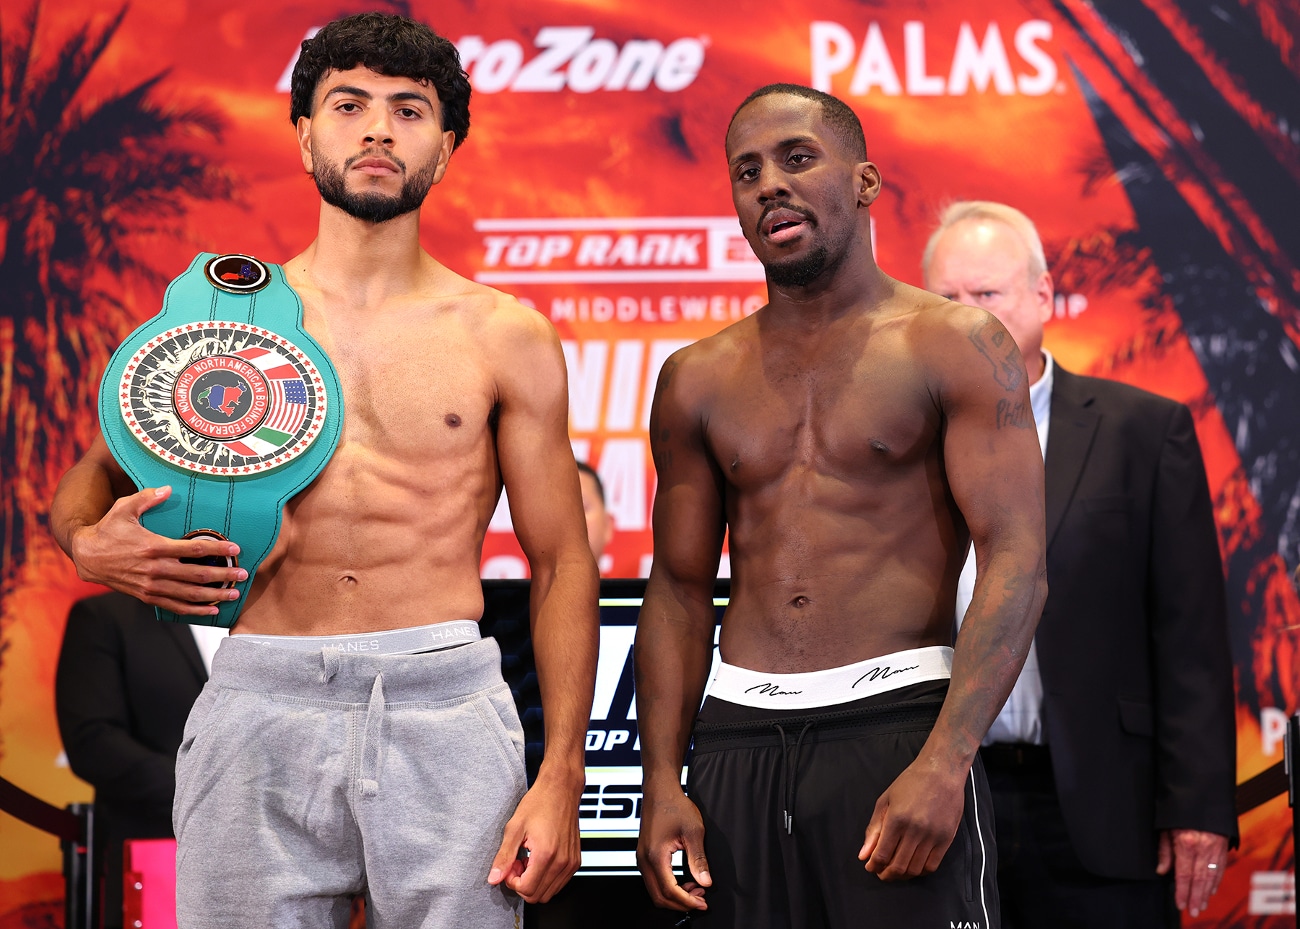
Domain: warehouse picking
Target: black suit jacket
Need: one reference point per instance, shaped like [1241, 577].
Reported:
[123, 689]
[1138, 703]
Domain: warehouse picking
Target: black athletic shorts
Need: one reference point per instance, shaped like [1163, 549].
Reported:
[786, 797]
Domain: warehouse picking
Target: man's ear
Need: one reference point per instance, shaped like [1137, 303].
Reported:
[1045, 295]
[303, 129]
[869, 183]
[444, 154]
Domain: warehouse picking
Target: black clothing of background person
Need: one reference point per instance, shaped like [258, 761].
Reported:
[123, 689]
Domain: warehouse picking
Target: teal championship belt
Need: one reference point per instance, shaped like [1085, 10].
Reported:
[224, 396]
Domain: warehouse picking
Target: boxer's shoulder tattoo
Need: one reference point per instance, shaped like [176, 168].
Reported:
[996, 344]
[661, 436]
[666, 373]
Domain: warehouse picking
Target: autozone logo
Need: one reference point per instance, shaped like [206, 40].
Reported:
[639, 249]
[572, 58]
[567, 58]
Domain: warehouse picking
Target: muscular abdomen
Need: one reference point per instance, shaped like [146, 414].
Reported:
[842, 549]
[379, 541]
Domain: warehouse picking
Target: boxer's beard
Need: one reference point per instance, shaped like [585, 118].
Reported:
[801, 272]
[371, 206]
[824, 257]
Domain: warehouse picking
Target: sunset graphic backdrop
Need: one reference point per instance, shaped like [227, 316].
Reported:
[1155, 145]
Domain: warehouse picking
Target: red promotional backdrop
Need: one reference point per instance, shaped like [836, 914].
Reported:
[1155, 142]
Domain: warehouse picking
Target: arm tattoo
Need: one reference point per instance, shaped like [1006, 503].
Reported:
[666, 374]
[1001, 351]
[1015, 414]
[660, 436]
[662, 454]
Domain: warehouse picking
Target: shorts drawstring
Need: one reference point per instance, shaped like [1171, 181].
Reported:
[789, 773]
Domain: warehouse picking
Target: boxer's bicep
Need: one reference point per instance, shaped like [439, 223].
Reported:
[992, 461]
[994, 471]
[533, 450]
[688, 518]
[541, 481]
[674, 638]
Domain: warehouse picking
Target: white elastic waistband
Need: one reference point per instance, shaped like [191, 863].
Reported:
[834, 685]
[387, 642]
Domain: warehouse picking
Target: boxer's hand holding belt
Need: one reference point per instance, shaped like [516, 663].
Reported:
[224, 396]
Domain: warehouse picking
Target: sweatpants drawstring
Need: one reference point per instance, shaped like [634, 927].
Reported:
[371, 740]
[331, 659]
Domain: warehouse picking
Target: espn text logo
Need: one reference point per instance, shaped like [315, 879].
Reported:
[604, 251]
[620, 802]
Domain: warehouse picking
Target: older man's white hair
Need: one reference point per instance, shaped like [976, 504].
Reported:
[1009, 216]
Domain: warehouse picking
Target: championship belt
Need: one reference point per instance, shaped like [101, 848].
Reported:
[224, 396]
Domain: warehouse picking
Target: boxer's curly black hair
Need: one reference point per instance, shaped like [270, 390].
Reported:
[386, 44]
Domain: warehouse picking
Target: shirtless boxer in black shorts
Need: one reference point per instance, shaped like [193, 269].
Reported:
[852, 436]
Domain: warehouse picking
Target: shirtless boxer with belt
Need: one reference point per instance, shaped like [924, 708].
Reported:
[338, 749]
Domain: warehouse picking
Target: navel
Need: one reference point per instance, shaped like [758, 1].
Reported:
[800, 602]
[347, 580]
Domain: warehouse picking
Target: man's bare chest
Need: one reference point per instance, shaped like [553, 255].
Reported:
[848, 421]
[416, 393]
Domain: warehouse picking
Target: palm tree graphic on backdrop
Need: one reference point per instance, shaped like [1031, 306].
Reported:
[88, 176]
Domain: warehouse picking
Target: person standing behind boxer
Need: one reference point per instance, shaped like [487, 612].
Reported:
[1113, 764]
[600, 522]
[123, 686]
[851, 436]
[307, 777]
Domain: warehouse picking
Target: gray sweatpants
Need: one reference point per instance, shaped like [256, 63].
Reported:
[306, 778]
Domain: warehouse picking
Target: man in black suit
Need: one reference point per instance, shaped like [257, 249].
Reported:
[1113, 762]
[124, 686]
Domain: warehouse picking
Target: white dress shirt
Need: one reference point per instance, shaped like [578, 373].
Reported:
[208, 639]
